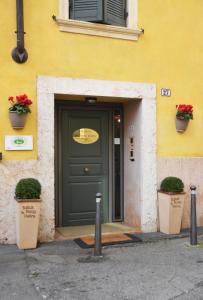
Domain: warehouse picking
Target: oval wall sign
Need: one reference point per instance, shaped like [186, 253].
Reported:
[85, 136]
[19, 141]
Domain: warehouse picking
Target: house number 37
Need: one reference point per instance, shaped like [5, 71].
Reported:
[165, 92]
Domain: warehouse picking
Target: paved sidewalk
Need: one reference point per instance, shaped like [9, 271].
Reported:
[166, 269]
[157, 236]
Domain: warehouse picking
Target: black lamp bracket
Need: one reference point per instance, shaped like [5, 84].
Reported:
[19, 54]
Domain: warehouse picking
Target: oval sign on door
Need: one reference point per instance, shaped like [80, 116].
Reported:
[85, 136]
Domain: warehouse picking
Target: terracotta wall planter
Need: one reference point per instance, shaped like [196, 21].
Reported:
[181, 125]
[170, 212]
[27, 222]
[17, 120]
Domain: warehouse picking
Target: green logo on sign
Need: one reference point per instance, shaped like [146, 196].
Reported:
[19, 141]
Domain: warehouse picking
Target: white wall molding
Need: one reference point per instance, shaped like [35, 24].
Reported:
[105, 88]
[148, 163]
[47, 87]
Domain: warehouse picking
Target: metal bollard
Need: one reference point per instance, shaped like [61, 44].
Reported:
[193, 217]
[97, 245]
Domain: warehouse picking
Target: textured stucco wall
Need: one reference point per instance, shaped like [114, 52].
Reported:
[167, 54]
[190, 170]
[10, 173]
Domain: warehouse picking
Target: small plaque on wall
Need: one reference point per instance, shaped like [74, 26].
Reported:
[165, 92]
[18, 142]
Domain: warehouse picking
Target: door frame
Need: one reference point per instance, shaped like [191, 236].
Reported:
[60, 105]
[140, 179]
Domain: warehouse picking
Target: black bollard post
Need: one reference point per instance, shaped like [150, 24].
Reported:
[97, 245]
[193, 217]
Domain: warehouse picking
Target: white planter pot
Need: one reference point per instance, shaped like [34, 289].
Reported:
[27, 222]
[170, 212]
[181, 125]
[17, 121]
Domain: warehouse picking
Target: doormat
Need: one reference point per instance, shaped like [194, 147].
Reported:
[107, 240]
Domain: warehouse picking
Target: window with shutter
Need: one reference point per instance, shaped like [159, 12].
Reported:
[111, 12]
[99, 17]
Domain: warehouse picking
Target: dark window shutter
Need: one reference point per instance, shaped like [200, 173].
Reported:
[115, 12]
[86, 10]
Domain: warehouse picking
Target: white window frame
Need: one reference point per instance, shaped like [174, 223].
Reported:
[130, 32]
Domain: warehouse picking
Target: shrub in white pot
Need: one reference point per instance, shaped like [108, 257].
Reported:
[27, 196]
[171, 199]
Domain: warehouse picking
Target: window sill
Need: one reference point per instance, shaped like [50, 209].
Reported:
[81, 27]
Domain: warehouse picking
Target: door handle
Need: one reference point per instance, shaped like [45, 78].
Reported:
[86, 170]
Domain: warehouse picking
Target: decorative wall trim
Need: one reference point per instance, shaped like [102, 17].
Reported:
[91, 87]
[81, 27]
[48, 87]
[140, 175]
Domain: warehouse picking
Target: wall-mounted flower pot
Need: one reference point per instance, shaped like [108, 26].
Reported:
[181, 125]
[17, 120]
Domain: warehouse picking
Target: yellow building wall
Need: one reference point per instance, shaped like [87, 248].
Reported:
[169, 54]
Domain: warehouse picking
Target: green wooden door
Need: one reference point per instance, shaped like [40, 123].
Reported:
[84, 165]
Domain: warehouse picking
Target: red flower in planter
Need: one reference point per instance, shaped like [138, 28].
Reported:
[20, 104]
[184, 111]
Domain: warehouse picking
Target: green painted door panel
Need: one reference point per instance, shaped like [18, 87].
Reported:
[84, 166]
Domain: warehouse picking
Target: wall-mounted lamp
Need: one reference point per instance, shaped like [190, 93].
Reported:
[90, 100]
[19, 54]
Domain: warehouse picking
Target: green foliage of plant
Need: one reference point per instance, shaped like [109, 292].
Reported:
[28, 188]
[172, 185]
